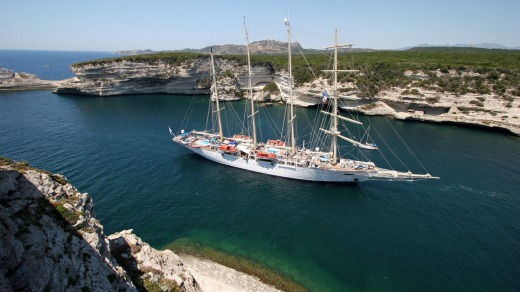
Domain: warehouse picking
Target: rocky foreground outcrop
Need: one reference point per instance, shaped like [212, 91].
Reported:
[50, 240]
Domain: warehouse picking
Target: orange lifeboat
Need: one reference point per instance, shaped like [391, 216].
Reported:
[266, 155]
[228, 148]
[241, 137]
[275, 143]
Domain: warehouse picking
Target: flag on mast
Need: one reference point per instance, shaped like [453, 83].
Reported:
[325, 96]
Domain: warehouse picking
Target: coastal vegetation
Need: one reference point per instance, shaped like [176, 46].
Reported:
[271, 87]
[172, 58]
[451, 70]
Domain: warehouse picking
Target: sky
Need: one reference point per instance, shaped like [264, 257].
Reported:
[114, 25]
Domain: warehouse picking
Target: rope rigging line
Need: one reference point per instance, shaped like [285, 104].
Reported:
[210, 113]
[188, 113]
[272, 122]
[307, 62]
[400, 138]
[315, 138]
[243, 128]
[405, 145]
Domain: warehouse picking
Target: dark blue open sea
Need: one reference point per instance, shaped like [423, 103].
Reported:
[460, 233]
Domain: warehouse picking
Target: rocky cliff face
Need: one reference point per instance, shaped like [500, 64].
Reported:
[192, 77]
[488, 110]
[129, 77]
[448, 109]
[50, 240]
[21, 80]
[148, 267]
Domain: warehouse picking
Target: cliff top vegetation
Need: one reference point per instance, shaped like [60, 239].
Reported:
[173, 58]
[416, 58]
[492, 70]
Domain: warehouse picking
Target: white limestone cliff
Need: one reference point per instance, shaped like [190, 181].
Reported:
[125, 77]
[191, 77]
[24, 81]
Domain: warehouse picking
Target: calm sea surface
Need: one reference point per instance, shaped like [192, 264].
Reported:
[460, 233]
[48, 65]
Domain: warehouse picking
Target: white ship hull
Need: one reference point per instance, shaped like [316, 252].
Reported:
[282, 170]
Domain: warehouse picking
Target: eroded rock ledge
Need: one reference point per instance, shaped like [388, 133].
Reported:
[126, 77]
[25, 81]
[118, 77]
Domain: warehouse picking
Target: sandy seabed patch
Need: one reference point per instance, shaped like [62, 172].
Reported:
[212, 276]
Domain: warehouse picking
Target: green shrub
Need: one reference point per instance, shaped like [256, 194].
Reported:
[368, 106]
[271, 87]
[477, 103]
[204, 82]
[59, 179]
[432, 100]
[69, 216]
[5, 161]
[238, 93]
[227, 74]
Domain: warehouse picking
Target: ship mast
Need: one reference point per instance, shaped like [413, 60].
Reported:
[250, 88]
[220, 133]
[291, 106]
[335, 103]
[334, 124]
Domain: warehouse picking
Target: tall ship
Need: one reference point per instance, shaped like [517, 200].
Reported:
[283, 156]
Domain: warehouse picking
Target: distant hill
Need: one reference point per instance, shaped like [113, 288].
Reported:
[272, 47]
[135, 52]
[481, 46]
[487, 46]
[264, 47]
[471, 50]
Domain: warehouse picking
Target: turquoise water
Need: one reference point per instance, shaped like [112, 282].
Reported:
[460, 233]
